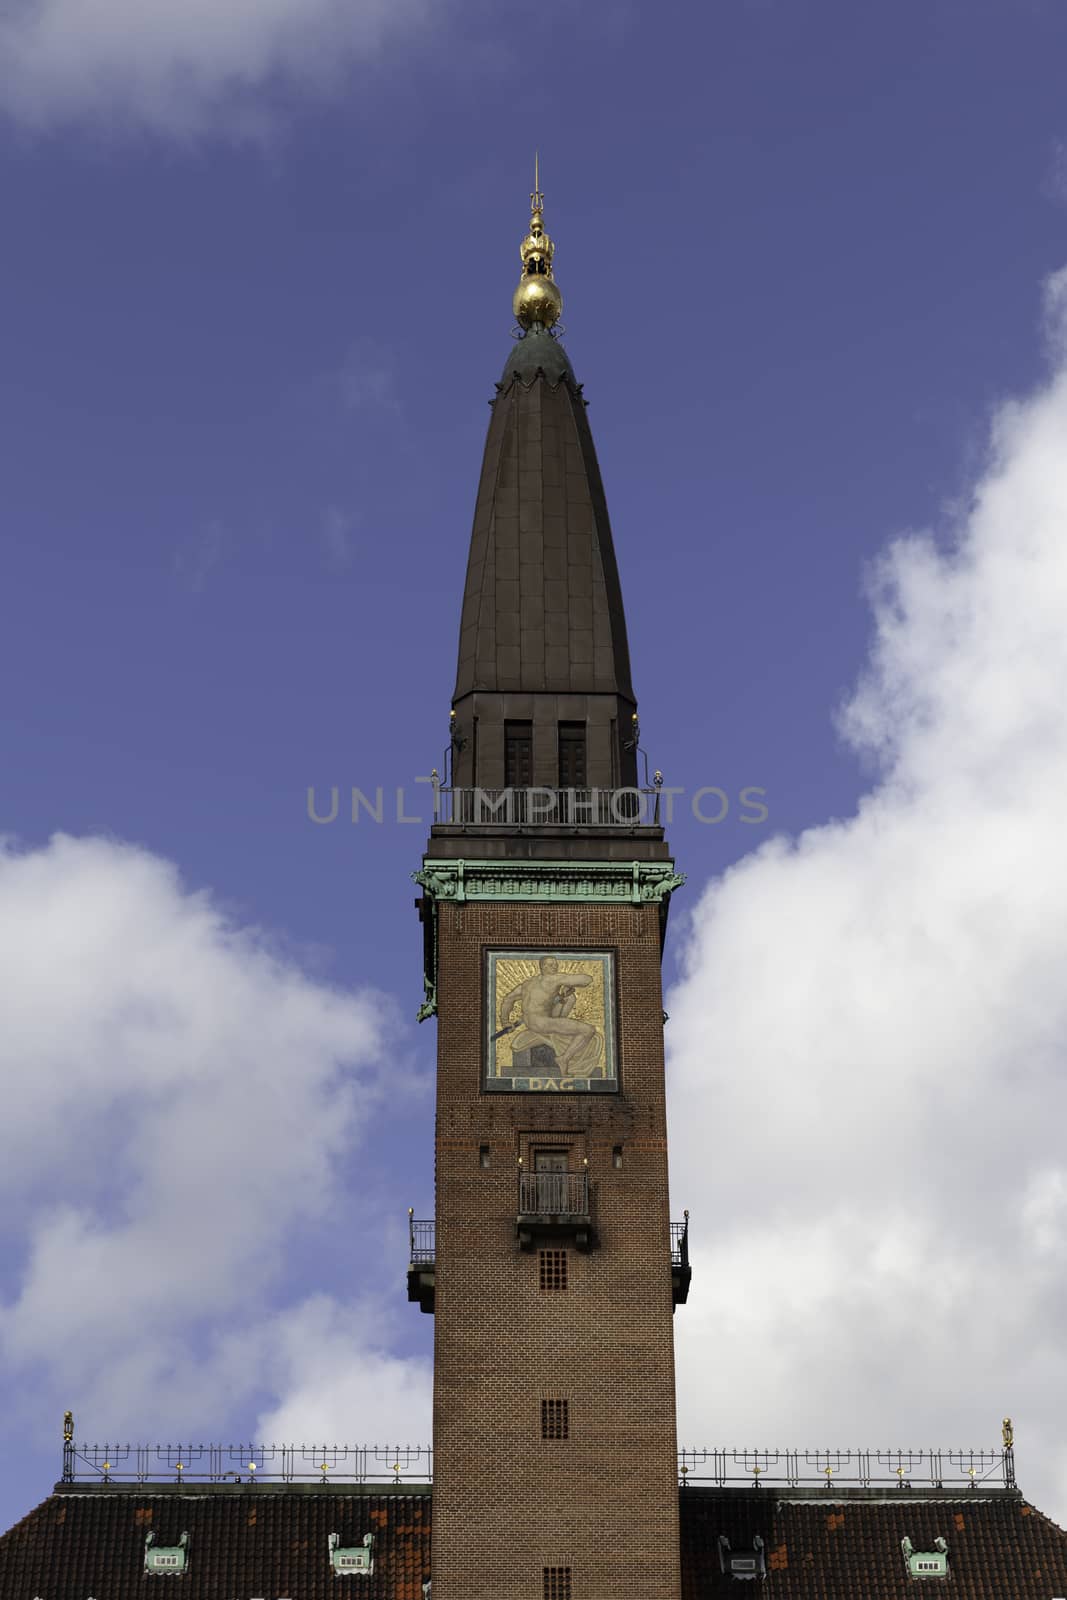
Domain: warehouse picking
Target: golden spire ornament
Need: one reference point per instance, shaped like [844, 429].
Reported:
[537, 299]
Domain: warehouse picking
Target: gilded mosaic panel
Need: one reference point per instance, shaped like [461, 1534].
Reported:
[550, 1021]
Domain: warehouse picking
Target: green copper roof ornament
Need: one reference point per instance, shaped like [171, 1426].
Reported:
[351, 1560]
[168, 1561]
[428, 1008]
[926, 1563]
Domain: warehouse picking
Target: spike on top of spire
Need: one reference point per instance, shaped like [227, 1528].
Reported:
[537, 199]
[537, 300]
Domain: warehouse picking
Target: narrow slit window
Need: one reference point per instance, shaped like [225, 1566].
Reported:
[553, 1271]
[616, 1156]
[557, 1583]
[555, 1419]
[518, 755]
[483, 1155]
[573, 771]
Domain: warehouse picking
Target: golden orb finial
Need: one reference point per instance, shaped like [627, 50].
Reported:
[537, 299]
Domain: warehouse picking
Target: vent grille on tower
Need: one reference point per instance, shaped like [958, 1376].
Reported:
[553, 1271]
[555, 1419]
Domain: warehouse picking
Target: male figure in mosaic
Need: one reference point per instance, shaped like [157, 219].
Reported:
[547, 1002]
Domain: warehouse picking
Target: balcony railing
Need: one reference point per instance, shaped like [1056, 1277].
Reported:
[550, 1203]
[422, 1269]
[547, 808]
[681, 1271]
[422, 1243]
[422, 1233]
[554, 1194]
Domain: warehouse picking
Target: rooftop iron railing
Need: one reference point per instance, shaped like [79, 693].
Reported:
[246, 1463]
[544, 808]
[863, 1469]
[942, 1471]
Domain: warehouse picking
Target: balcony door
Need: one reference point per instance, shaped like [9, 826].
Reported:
[550, 1175]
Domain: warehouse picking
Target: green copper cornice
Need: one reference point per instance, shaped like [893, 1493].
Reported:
[540, 882]
[551, 882]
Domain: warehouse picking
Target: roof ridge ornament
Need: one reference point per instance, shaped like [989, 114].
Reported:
[537, 301]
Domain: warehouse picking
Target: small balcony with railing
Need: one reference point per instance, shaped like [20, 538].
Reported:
[554, 1205]
[551, 1205]
[681, 1271]
[422, 1263]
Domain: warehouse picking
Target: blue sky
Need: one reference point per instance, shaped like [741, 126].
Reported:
[257, 273]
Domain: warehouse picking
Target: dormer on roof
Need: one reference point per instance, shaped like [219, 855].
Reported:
[351, 1560]
[926, 1563]
[743, 1564]
[165, 1561]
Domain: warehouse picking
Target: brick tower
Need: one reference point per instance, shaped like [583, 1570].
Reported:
[554, 1269]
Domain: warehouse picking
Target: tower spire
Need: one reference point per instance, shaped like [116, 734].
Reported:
[537, 301]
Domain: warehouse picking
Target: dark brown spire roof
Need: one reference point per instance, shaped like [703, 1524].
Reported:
[542, 610]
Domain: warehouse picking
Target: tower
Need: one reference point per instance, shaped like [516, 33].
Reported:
[544, 895]
[545, 886]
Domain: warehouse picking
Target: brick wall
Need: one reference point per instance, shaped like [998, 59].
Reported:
[507, 1503]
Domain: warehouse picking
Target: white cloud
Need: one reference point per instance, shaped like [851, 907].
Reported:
[341, 1384]
[180, 67]
[868, 1047]
[177, 1095]
[367, 379]
[201, 552]
[338, 536]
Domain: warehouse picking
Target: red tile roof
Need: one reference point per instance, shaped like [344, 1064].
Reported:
[269, 1542]
[243, 1543]
[844, 1546]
